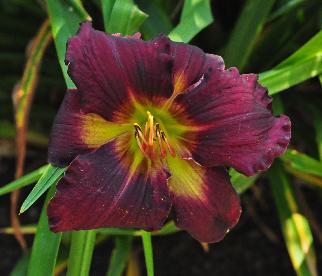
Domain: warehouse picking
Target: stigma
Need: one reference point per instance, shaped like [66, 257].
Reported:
[152, 140]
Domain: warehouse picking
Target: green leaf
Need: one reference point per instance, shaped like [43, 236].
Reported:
[285, 8]
[81, 252]
[167, 229]
[122, 16]
[196, 15]
[295, 227]
[305, 63]
[302, 162]
[50, 177]
[241, 182]
[65, 17]
[158, 22]
[20, 268]
[316, 112]
[45, 246]
[246, 31]
[24, 181]
[148, 252]
[119, 231]
[120, 256]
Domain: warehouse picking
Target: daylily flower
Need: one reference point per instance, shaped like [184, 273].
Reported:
[152, 126]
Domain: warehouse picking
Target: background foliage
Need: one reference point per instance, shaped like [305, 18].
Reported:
[281, 40]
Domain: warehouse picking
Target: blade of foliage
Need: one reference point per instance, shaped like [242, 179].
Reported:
[158, 22]
[50, 177]
[119, 231]
[24, 181]
[317, 121]
[24, 91]
[196, 15]
[81, 252]
[305, 63]
[26, 229]
[295, 227]
[285, 8]
[122, 16]
[65, 17]
[22, 97]
[133, 266]
[241, 182]
[167, 229]
[120, 256]
[246, 30]
[148, 252]
[302, 162]
[8, 131]
[45, 246]
[20, 268]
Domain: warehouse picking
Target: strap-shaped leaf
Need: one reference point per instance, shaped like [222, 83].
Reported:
[65, 17]
[302, 162]
[196, 15]
[120, 256]
[241, 182]
[81, 251]
[45, 247]
[24, 181]
[295, 227]
[304, 64]
[50, 177]
[148, 252]
[246, 30]
[122, 16]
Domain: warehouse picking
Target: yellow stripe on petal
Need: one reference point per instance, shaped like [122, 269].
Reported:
[96, 131]
[187, 178]
[179, 82]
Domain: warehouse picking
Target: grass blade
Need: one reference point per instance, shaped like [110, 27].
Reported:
[295, 227]
[81, 252]
[23, 181]
[120, 256]
[285, 8]
[148, 252]
[246, 31]
[302, 163]
[158, 22]
[45, 247]
[196, 15]
[22, 95]
[241, 182]
[50, 177]
[65, 17]
[305, 63]
[122, 16]
[20, 268]
[24, 91]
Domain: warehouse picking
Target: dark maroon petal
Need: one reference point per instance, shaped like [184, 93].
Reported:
[74, 132]
[190, 64]
[108, 69]
[204, 202]
[101, 189]
[235, 123]
[65, 143]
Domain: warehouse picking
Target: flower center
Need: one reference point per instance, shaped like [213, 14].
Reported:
[152, 140]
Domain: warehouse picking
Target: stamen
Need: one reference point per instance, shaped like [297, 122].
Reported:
[152, 132]
[163, 152]
[170, 148]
